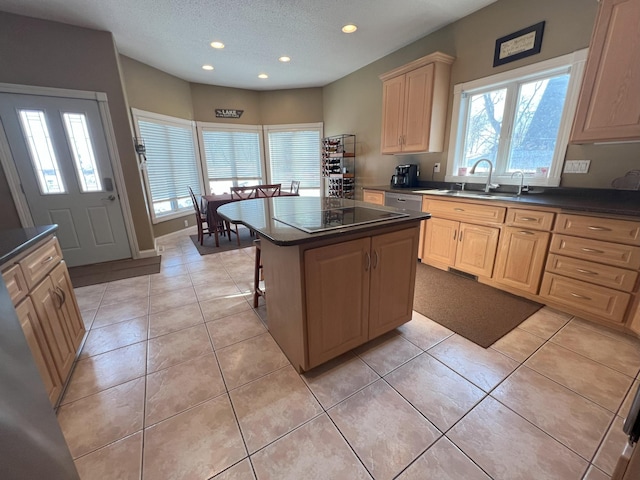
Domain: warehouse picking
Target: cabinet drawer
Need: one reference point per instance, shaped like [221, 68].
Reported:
[604, 275]
[16, 284]
[373, 196]
[622, 231]
[535, 220]
[466, 212]
[37, 264]
[615, 254]
[601, 301]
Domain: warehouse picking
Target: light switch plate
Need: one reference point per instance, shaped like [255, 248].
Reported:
[576, 166]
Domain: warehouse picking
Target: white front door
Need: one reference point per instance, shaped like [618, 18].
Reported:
[60, 152]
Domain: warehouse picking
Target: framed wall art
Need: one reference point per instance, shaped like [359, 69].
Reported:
[517, 45]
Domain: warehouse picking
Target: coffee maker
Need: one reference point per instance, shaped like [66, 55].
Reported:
[405, 176]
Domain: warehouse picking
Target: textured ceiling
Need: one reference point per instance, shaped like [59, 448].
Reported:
[174, 35]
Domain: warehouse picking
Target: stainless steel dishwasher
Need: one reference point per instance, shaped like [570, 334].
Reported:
[405, 201]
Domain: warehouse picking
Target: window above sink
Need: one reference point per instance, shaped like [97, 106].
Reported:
[520, 120]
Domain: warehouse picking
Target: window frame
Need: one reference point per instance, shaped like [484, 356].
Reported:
[227, 127]
[573, 63]
[292, 127]
[171, 121]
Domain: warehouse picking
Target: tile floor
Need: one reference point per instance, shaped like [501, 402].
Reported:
[179, 379]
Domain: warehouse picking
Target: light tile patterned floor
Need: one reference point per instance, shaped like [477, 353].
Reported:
[180, 379]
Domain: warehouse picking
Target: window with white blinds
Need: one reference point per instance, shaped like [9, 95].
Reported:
[232, 155]
[294, 154]
[172, 163]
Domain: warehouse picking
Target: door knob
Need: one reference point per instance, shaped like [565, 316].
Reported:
[110, 198]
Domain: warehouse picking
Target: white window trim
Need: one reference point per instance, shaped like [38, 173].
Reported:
[168, 120]
[227, 127]
[575, 61]
[291, 128]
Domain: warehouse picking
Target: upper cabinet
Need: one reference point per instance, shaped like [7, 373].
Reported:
[414, 105]
[609, 104]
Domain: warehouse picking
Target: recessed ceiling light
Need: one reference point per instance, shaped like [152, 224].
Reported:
[263, 75]
[350, 28]
[217, 44]
[285, 59]
[207, 67]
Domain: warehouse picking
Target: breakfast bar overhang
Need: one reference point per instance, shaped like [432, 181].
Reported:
[349, 281]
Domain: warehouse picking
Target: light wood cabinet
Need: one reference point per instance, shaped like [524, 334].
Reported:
[592, 268]
[456, 237]
[373, 196]
[467, 247]
[521, 258]
[44, 300]
[48, 304]
[414, 105]
[377, 272]
[37, 342]
[609, 104]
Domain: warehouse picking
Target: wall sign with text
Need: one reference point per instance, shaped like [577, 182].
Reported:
[517, 45]
[228, 113]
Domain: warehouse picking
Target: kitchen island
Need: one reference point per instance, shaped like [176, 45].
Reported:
[349, 281]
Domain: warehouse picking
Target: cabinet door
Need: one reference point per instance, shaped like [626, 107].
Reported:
[521, 258]
[417, 110]
[39, 349]
[393, 275]
[609, 104]
[337, 297]
[392, 114]
[47, 304]
[440, 242]
[69, 308]
[476, 250]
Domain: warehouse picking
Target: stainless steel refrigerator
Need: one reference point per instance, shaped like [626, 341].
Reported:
[31, 442]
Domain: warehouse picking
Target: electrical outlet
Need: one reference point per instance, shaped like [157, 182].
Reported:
[436, 168]
[186, 223]
[576, 166]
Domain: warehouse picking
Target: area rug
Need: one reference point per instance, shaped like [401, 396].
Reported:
[478, 312]
[246, 240]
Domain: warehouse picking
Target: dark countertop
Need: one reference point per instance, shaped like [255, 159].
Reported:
[616, 202]
[258, 214]
[16, 240]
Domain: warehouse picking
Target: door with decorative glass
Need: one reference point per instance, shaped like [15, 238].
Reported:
[61, 156]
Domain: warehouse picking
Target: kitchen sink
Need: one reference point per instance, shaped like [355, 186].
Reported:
[468, 194]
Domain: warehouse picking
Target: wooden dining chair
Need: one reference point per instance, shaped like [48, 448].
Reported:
[243, 193]
[271, 190]
[201, 218]
[295, 186]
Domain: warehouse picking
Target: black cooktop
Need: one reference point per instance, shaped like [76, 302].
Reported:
[323, 220]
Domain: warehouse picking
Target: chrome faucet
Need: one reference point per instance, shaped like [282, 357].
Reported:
[521, 173]
[489, 185]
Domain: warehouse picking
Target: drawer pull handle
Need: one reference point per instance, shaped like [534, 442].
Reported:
[579, 296]
[591, 250]
[528, 219]
[588, 272]
[46, 260]
[599, 229]
[524, 232]
[458, 209]
[62, 295]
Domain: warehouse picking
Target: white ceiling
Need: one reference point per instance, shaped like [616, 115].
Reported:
[174, 35]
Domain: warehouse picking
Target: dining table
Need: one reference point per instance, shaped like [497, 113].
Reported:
[210, 204]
